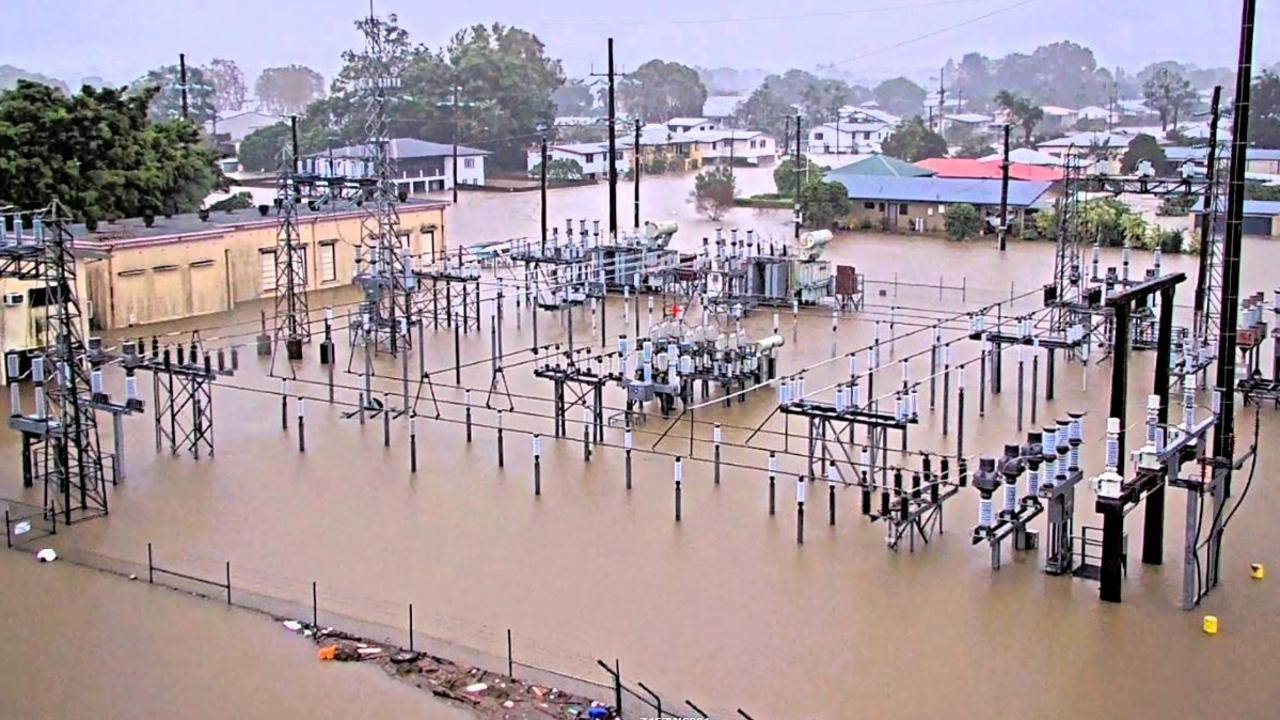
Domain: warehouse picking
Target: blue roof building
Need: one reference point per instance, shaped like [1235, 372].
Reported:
[920, 204]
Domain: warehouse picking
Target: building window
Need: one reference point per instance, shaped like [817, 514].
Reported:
[469, 163]
[617, 155]
[903, 209]
[590, 157]
[267, 258]
[881, 207]
[817, 136]
[869, 205]
[328, 262]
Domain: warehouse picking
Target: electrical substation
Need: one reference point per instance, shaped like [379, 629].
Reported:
[844, 392]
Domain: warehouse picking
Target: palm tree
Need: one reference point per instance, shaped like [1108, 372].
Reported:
[1022, 112]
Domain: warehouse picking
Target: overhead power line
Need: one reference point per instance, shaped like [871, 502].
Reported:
[761, 18]
[931, 34]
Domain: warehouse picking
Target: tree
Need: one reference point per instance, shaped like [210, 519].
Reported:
[900, 96]
[1264, 111]
[10, 75]
[263, 150]
[1167, 92]
[229, 88]
[99, 154]
[913, 141]
[574, 98]
[765, 110]
[559, 169]
[822, 203]
[963, 222]
[288, 90]
[713, 192]
[663, 90]
[973, 80]
[974, 147]
[1022, 112]
[1143, 147]
[786, 179]
[164, 86]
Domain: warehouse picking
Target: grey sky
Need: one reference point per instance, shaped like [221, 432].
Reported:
[121, 39]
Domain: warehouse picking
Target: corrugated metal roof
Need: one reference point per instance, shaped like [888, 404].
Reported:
[885, 166]
[722, 106]
[401, 148]
[939, 190]
[968, 168]
[689, 121]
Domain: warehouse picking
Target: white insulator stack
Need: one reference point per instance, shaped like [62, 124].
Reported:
[1153, 419]
[1033, 479]
[1113, 445]
[986, 516]
[801, 488]
[1188, 407]
[1075, 437]
[37, 378]
[1063, 447]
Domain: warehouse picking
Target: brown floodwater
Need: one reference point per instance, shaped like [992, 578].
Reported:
[724, 608]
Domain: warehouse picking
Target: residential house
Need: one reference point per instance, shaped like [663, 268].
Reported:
[868, 113]
[988, 169]
[920, 204]
[1026, 156]
[1264, 161]
[1101, 149]
[1095, 114]
[689, 124]
[722, 108]
[1057, 119]
[848, 137]
[421, 166]
[592, 157]
[740, 147]
[965, 125]
[673, 150]
[1261, 217]
[884, 166]
[236, 128]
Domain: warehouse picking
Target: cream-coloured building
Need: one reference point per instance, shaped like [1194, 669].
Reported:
[184, 266]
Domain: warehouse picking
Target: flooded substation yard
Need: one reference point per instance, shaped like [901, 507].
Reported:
[720, 611]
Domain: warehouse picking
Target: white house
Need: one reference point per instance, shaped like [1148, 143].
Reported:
[868, 113]
[722, 107]
[973, 123]
[421, 166]
[1057, 118]
[237, 127]
[853, 137]
[687, 124]
[750, 147]
[592, 156]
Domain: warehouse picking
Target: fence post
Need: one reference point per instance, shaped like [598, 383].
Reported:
[410, 627]
[151, 568]
[315, 613]
[511, 664]
[7, 541]
[228, 582]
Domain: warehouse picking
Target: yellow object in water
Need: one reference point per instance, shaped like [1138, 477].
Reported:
[1257, 571]
[1211, 624]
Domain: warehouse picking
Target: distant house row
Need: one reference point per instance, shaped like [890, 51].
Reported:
[682, 143]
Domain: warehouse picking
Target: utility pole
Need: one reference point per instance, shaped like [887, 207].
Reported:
[455, 144]
[543, 181]
[1224, 436]
[796, 171]
[613, 150]
[942, 95]
[1001, 235]
[1206, 219]
[182, 81]
[635, 172]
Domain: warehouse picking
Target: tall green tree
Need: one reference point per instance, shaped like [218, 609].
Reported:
[1022, 112]
[164, 86]
[229, 89]
[99, 154]
[1168, 93]
[574, 98]
[900, 96]
[713, 192]
[1143, 147]
[288, 90]
[822, 203]
[789, 175]
[765, 110]
[913, 141]
[662, 90]
[1264, 111]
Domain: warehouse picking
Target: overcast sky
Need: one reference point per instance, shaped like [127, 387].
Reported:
[121, 39]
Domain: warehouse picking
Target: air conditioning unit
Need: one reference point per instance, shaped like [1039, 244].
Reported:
[12, 299]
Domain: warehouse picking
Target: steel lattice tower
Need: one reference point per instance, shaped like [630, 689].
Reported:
[1067, 276]
[72, 465]
[383, 267]
[292, 317]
